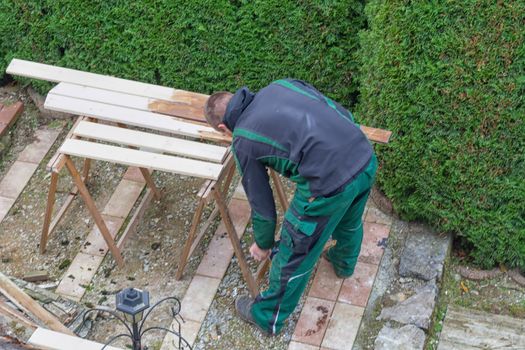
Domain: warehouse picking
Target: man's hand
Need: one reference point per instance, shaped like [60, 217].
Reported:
[258, 253]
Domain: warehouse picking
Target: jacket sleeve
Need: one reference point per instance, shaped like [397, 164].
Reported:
[256, 183]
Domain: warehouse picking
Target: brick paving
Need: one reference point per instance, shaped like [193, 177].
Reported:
[19, 174]
[333, 310]
[203, 287]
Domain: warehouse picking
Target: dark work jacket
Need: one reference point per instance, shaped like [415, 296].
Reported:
[302, 134]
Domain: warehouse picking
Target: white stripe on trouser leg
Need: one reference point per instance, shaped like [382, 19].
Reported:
[357, 228]
[279, 309]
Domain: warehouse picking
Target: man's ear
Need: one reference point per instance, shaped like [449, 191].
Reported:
[224, 129]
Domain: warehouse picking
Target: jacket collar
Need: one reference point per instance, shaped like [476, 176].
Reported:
[240, 100]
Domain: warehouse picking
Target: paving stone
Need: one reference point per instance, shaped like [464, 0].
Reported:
[300, 346]
[217, 258]
[356, 289]
[36, 151]
[5, 205]
[326, 284]
[376, 216]
[95, 243]
[198, 298]
[123, 199]
[416, 310]
[374, 241]
[220, 251]
[133, 174]
[408, 337]
[9, 115]
[79, 274]
[343, 326]
[189, 331]
[424, 253]
[313, 321]
[239, 192]
[16, 179]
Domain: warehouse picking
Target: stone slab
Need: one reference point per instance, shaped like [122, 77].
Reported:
[416, 310]
[217, 258]
[424, 253]
[16, 179]
[5, 206]
[198, 298]
[37, 150]
[301, 346]
[95, 243]
[134, 174]
[408, 337]
[79, 274]
[123, 199]
[326, 284]
[356, 289]
[343, 326]
[313, 321]
[189, 331]
[472, 329]
[374, 242]
[376, 216]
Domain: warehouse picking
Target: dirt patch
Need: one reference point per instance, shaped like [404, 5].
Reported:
[321, 321]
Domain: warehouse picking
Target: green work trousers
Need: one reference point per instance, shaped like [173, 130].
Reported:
[307, 226]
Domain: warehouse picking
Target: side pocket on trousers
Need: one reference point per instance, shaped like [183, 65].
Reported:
[304, 231]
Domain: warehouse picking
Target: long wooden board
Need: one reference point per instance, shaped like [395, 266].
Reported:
[130, 116]
[58, 74]
[49, 340]
[158, 143]
[19, 297]
[187, 109]
[141, 159]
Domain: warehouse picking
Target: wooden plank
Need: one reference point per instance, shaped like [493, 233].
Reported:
[141, 159]
[190, 108]
[466, 329]
[130, 116]
[159, 143]
[16, 315]
[48, 340]
[58, 74]
[376, 135]
[14, 293]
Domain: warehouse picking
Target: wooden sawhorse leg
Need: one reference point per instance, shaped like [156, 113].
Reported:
[193, 238]
[49, 211]
[49, 224]
[234, 238]
[94, 211]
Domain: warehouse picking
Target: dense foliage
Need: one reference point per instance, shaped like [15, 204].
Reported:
[448, 78]
[198, 45]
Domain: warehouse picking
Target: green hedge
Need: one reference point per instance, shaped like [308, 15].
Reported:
[448, 78]
[198, 45]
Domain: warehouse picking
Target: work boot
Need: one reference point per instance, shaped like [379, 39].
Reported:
[243, 306]
[340, 275]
